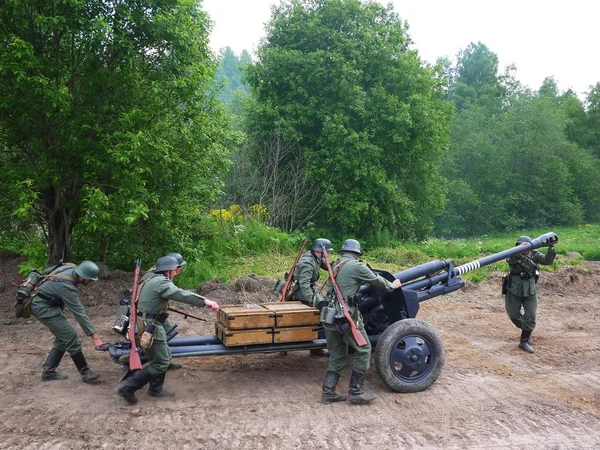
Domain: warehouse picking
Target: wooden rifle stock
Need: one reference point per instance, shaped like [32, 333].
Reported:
[135, 363]
[286, 286]
[358, 337]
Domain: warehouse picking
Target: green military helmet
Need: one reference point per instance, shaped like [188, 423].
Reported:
[165, 263]
[320, 243]
[351, 245]
[522, 239]
[88, 270]
[180, 261]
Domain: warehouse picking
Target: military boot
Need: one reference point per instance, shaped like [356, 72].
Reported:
[174, 365]
[49, 373]
[329, 394]
[135, 383]
[320, 352]
[357, 395]
[155, 388]
[87, 374]
[525, 342]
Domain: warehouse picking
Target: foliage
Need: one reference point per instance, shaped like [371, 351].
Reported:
[340, 85]
[106, 111]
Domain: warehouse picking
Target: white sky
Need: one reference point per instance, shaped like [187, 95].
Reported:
[541, 37]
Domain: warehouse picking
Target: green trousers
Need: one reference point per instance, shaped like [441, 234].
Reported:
[65, 336]
[337, 344]
[159, 354]
[525, 320]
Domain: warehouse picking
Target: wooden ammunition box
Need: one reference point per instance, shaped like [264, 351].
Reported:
[293, 314]
[232, 338]
[246, 317]
[295, 334]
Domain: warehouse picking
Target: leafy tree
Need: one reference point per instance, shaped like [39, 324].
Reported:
[338, 81]
[111, 132]
[593, 113]
[230, 74]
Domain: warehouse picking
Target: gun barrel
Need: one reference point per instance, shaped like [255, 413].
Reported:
[423, 270]
[542, 241]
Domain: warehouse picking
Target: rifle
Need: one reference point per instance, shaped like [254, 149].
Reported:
[135, 363]
[358, 337]
[291, 273]
[185, 314]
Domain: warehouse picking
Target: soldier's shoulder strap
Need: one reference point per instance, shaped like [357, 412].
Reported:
[339, 266]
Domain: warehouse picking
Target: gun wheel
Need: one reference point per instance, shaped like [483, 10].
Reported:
[409, 356]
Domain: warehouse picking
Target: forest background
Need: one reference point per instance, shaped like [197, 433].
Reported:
[123, 136]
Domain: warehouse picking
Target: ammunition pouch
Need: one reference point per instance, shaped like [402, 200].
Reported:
[354, 300]
[55, 302]
[341, 324]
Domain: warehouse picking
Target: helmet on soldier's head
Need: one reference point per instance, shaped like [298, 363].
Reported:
[165, 263]
[522, 239]
[320, 243]
[180, 261]
[88, 270]
[351, 245]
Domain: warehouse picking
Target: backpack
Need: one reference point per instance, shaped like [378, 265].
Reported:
[28, 289]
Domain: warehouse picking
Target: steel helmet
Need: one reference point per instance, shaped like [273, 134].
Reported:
[522, 239]
[351, 245]
[320, 243]
[88, 270]
[165, 263]
[180, 261]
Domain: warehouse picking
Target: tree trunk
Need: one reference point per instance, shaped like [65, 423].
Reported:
[58, 226]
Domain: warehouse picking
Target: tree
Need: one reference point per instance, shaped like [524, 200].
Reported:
[338, 81]
[593, 113]
[230, 74]
[109, 122]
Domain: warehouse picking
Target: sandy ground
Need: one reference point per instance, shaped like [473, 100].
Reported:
[490, 394]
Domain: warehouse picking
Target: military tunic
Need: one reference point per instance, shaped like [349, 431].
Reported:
[522, 287]
[306, 274]
[154, 298]
[349, 279]
[63, 287]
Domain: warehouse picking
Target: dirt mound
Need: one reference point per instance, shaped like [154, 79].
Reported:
[247, 289]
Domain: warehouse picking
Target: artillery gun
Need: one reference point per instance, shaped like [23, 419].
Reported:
[409, 353]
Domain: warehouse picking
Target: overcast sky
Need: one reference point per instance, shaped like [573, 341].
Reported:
[541, 37]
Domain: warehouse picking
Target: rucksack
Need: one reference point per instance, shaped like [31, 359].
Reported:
[28, 289]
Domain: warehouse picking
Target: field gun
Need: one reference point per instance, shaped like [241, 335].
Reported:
[409, 353]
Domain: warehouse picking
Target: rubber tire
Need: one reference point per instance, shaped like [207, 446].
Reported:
[389, 340]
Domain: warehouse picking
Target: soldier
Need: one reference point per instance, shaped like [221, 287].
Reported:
[349, 274]
[54, 294]
[522, 289]
[306, 274]
[154, 299]
[167, 325]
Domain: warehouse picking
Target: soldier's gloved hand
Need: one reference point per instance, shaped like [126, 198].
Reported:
[211, 304]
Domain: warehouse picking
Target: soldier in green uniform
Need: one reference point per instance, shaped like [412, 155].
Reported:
[154, 299]
[349, 274]
[167, 324]
[55, 292]
[522, 289]
[306, 274]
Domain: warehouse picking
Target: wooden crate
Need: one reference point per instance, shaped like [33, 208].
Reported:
[246, 317]
[293, 314]
[295, 334]
[233, 338]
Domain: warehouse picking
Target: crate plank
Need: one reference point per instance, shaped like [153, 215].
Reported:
[290, 314]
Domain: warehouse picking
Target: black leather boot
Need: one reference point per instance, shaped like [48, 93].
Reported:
[87, 374]
[155, 389]
[49, 373]
[329, 395]
[357, 395]
[525, 343]
[174, 365]
[135, 383]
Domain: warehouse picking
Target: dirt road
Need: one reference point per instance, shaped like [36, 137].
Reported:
[490, 394]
